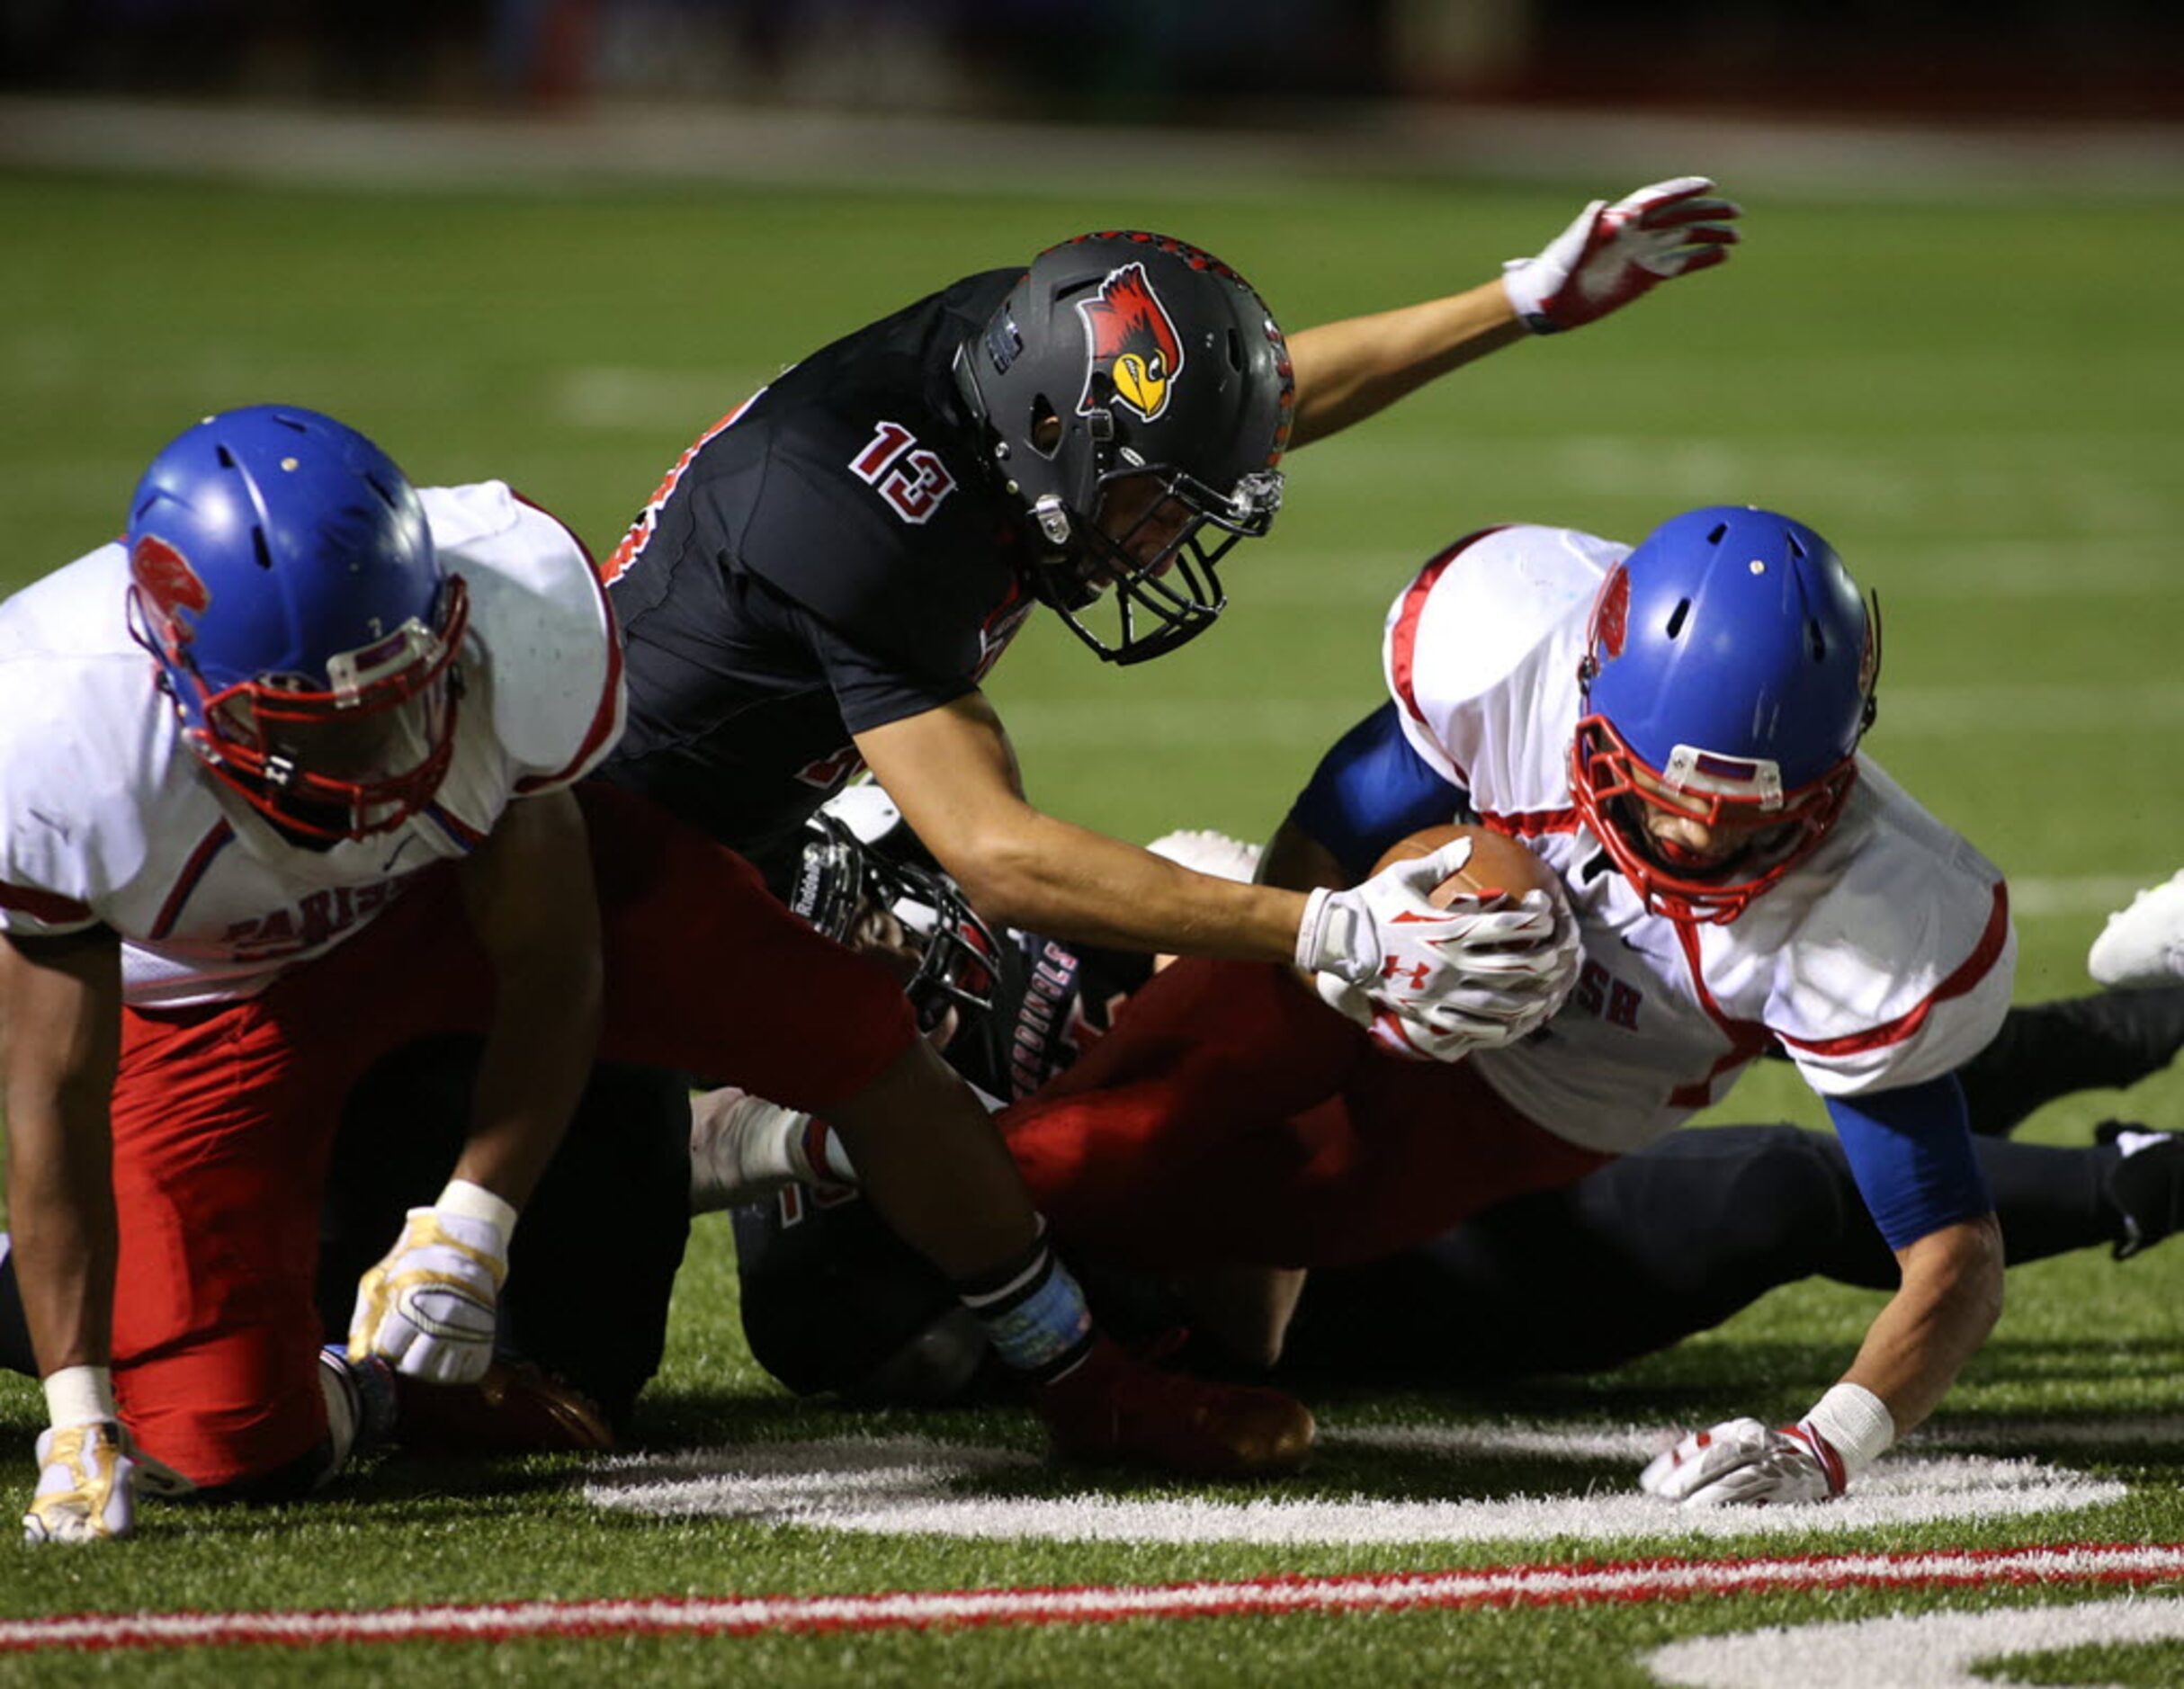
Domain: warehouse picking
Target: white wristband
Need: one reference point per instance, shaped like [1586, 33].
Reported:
[79, 1396]
[1857, 1424]
[1308, 929]
[474, 1202]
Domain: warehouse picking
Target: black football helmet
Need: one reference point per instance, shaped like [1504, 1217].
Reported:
[1135, 392]
[841, 881]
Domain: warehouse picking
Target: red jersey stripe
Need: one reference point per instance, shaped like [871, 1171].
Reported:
[641, 531]
[1973, 970]
[193, 871]
[1402, 641]
[48, 908]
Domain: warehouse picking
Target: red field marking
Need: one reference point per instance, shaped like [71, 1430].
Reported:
[1587, 1584]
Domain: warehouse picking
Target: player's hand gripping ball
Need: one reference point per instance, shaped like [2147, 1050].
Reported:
[1507, 949]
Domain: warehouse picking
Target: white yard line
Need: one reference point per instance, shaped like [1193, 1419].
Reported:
[1927, 1651]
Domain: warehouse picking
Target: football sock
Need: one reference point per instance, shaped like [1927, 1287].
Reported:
[823, 1155]
[743, 1147]
[1032, 1313]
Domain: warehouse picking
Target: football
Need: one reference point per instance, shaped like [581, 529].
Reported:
[1497, 863]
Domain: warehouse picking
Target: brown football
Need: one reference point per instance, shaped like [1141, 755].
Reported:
[1499, 862]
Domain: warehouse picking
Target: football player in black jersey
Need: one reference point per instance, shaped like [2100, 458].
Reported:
[824, 579]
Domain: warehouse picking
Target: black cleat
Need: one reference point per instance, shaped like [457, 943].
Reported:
[2147, 1184]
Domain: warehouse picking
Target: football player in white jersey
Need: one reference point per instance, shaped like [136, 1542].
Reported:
[289, 782]
[1675, 730]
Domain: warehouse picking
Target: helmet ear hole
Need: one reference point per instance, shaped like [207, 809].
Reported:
[1046, 431]
[1236, 351]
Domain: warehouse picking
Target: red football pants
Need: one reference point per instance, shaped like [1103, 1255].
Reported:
[1230, 1117]
[224, 1116]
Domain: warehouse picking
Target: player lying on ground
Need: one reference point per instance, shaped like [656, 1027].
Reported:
[824, 579]
[1673, 730]
[288, 784]
[1632, 1257]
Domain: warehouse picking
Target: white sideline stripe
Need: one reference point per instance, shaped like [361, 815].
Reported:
[1497, 1586]
[1927, 1651]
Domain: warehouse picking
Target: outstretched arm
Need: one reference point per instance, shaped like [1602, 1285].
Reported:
[1950, 1297]
[1911, 1155]
[1381, 944]
[953, 774]
[1347, 371]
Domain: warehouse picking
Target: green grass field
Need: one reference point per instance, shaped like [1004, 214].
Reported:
[1977, 404]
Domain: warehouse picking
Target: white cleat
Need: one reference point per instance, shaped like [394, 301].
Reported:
[2143, 946]
[1206, 852]
[742, 1149]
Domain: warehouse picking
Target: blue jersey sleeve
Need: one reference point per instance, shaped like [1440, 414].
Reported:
[1371, 789]
[1910, 1151]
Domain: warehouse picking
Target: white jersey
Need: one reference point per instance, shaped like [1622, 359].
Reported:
[1882, 960]
[106, 816]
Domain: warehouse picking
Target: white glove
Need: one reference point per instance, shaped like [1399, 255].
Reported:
[429, 1308]
[1614, 253]
[89, 1472]
[1743, 1464]
[1435, 983]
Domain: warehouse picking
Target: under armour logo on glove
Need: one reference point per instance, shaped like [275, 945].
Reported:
[1478, 973]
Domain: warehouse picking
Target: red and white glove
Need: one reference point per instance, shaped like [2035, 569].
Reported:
[429, 1308]
[89, 1471]
[1742, 1463]
[1614, 253]
[1439, 983]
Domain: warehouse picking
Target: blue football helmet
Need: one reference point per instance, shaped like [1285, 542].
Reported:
[283, 577]
[1728, 677]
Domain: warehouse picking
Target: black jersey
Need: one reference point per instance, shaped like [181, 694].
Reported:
[834, 557]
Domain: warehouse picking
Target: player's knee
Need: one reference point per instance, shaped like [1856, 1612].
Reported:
[1792, 1195]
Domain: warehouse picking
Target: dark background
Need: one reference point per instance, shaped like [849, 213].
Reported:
[1173, 61]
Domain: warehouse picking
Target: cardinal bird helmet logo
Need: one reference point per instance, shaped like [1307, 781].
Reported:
[168, 585]
[1129, 338]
